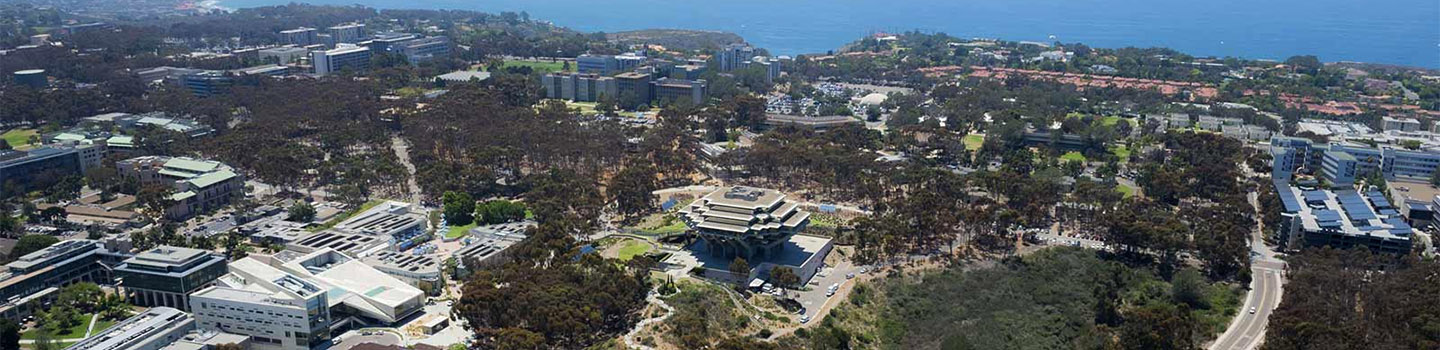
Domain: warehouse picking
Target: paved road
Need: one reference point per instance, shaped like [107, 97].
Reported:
[1267, 281]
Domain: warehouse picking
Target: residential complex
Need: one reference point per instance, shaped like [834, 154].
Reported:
[199, 186]
[341, 58]
[165, 275]
[152, 329]
[1341, 218]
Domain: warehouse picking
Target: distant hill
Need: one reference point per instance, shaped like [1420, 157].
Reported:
[679, 39]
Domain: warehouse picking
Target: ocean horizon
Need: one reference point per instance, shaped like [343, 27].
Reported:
[1399, 32]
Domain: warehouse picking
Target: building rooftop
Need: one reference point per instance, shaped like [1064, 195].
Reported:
[149, 326]
[1347, 212]
[464, 76]
[54, 254]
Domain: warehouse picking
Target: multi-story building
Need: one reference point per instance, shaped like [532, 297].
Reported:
[745, 221]
[382, 42]
[34, 78]
[356, 293]
[199, 186]
[343, 57]
[152, 329]
[608, 64]
[770, 65]
[1340, 218]
[165, 275]
[208, 83]
[633, 88]
[579, 86]
[1400, 124]
[283, 55]
[734, 56]
[302, 36]
[418, 50]
[277, 310]
[347, 33]
[1340, 163]
[38, 168]
[36, 277]
[666, 90]
[687, 71]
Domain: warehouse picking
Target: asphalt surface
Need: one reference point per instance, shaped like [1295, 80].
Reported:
[1267, 279]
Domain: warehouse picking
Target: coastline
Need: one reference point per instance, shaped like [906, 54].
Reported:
[828, 27]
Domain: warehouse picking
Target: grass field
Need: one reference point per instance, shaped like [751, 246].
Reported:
[1121, 151]
[76, 332]
[586, 108]
[973, 141]
[18, 137]
[539, 66]
[1072, 155]
[1125, 190]
[458, 231]
[633, 248]
[660, 224]
[102, 325]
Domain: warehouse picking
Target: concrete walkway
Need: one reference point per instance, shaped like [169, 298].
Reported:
[402, 152]
[629, 338]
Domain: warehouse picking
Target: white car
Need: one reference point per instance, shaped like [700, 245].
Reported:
[804, 319]
[1252, 309]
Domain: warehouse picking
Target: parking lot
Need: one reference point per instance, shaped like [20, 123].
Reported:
[815, 299]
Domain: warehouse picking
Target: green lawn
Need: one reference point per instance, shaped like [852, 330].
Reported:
[539, 66]
[18, 137]
[1121, 151]
[633, 248]
[659, 224]
[1126, 190]
[458, 231]
[346, 215]
[77, 332]
[1072, 155]
[584, 107]
[102, 325]
[973, 141]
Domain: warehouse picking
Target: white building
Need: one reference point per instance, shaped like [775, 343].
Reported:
[277, 310]
[344, 56]
[1401, 124]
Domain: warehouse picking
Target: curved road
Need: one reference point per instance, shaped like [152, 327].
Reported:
[1267, 279]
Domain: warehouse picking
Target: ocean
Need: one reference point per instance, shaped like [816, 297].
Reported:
[1404, 32]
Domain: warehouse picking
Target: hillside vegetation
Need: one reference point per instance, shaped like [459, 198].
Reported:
[1058, 298]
